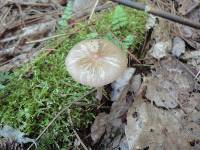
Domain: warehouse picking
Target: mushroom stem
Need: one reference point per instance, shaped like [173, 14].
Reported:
[99, 93]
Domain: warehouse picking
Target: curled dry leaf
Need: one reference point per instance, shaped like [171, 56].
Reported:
[136, 83]
[122, 85]
[161, 42]
[9, 132]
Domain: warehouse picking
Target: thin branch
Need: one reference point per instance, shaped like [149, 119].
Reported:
[132, 55]
[159, 13]
[29, 3]
[93, 10]
[76, 134]
[51, 37]
[58, 114]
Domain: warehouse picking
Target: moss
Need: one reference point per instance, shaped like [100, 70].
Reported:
[38, 90]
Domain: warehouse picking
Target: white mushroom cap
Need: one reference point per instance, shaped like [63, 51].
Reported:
[95, 62]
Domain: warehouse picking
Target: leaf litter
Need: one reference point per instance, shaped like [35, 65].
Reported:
[158, 110]
[163, 109]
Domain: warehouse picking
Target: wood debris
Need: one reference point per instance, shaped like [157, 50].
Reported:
[21, 22]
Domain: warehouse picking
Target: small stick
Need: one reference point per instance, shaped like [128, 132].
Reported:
[93, 10]
[51, 37]
[58, 114]
[76, 134]
[29, 3]
[46, 38]
[159, 13]
[132, 55]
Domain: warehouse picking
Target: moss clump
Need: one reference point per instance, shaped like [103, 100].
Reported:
[38, 90]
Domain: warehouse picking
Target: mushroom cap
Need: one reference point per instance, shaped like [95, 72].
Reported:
[96, 62]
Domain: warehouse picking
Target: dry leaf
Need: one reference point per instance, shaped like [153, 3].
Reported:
[99, 127]
[153, 128]
[169, 84]
[9, 132]
[121, 85]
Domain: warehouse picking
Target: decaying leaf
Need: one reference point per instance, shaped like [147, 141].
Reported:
[24, 21]
[163, 93]
[136, 83]
[10, 144]
[161, 42]
[189, 9]
[32, 31]
[195, 117]
[9, 132]
[190, 103]
[112, 124]
[193, 58]
[150, 126]
[186, 6]
[153, 128]
[121, 86]
[99, 127]
[169, 85]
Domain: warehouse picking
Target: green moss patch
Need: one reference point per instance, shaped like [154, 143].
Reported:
[40, 89]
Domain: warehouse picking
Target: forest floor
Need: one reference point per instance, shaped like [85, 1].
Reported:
[155, 104]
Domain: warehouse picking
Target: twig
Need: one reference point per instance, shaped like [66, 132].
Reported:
[46, 38]
[21, 14]
[79, 104]
[132, 55]
[159, 13]
[76, 134]
[58, 114]
[3, 25]
[32, 31]
[192, 8]
[30, 19]
[51, 37]
[29, 3]
[195, 76]
[142, 65]
[56, 3]
[93, 10]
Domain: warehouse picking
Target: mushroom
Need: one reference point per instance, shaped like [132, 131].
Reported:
[96, 62]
